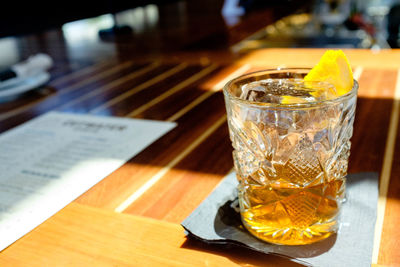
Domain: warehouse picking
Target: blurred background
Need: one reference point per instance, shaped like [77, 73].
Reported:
[79, 32]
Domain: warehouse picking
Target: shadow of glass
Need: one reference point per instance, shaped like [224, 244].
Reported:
[238, 254]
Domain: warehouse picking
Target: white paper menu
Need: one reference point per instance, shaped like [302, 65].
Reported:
[49, 161]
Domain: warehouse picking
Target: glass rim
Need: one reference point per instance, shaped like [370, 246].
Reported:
[236, 99]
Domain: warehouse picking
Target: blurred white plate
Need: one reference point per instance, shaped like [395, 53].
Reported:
[13, 88]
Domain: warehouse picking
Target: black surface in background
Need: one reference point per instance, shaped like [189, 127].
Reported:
[18, 18]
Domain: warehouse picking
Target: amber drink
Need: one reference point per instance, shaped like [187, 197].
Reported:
[291, 144]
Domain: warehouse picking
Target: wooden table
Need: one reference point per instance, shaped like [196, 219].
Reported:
[132, 217]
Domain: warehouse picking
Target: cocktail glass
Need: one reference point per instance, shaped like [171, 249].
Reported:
[291, 143]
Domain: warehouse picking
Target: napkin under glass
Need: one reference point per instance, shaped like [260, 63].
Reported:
[217, 221]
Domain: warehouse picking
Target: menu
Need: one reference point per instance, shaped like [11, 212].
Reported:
[49, 161]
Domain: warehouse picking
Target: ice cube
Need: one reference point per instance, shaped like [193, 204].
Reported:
[251, 90]
[287, 91]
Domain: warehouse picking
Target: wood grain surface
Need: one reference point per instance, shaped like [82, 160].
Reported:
[85, 236]
[132, 217]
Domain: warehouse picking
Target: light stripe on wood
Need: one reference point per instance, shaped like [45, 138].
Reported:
[96, 77]
[173, 90]
[132, 198]
[139, 88]
[386, 170]
[68, 89]
[207, 94]
[20, 109]
[79, 73]
[110, 85]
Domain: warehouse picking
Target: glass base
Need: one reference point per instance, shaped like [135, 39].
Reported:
[291, 236]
